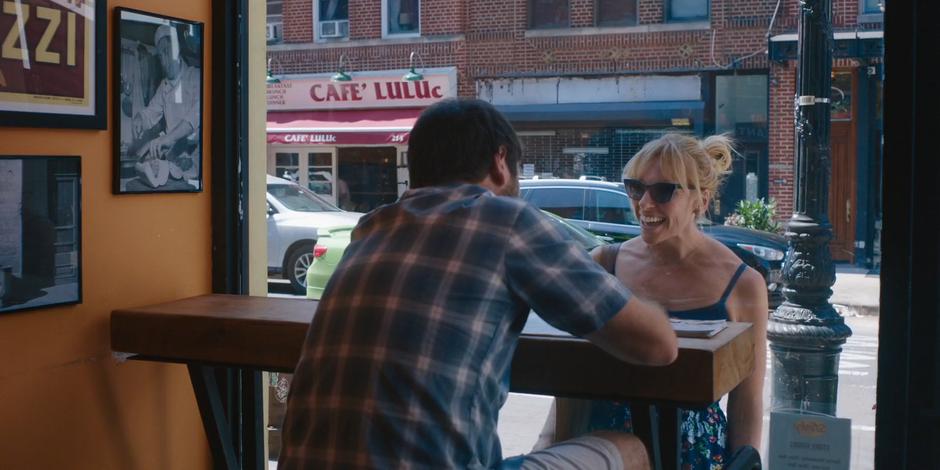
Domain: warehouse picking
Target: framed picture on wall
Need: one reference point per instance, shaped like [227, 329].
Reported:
[52, 65]
[40, 232]
[158, 90]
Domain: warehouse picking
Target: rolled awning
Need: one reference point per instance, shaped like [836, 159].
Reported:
[342, 127]
[855, 44]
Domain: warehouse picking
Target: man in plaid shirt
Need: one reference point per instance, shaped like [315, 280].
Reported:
[406, 363]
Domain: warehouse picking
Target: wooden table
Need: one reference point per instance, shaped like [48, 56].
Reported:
[262, 333]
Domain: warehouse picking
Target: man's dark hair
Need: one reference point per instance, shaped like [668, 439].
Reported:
[455, 140]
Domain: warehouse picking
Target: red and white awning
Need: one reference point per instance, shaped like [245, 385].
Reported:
[342, 127]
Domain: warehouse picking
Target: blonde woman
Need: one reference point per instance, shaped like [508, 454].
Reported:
[671, 181]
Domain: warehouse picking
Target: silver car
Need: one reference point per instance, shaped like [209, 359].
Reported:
[294, 214]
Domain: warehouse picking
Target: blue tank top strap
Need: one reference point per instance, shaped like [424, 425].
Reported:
[734, 280]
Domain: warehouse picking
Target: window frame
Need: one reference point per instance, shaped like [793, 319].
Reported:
[315, 5]
[387, 34]
[529, 17]
[669, 18]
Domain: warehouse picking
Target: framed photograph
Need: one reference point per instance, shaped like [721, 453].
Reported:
[158, 91]
[52, 63]
[40, 232]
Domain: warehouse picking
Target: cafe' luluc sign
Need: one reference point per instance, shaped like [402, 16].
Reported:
[366, 90]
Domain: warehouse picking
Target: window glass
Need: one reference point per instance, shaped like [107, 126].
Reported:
[299, 199]
[841, 96]
[403, 16]
[565, 202]
[548, 14]
[583, 105]
[685, 10]
[741, 112]
[287, 165]
[740, 99]
[616, 12]
[612, 208]
[331, 10]
[320, 174]
[872, 6]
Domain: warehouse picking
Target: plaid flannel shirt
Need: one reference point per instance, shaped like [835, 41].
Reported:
[406, 363]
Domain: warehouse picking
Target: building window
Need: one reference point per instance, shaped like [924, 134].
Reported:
[545, 14]
[872, 7]
[275, 22]
[616, 13]
[687, 10]
[402, 17]
[332, 19]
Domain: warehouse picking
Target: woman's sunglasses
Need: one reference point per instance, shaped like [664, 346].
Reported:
[660, 192]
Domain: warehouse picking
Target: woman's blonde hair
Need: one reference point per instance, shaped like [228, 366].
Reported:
[698, 165]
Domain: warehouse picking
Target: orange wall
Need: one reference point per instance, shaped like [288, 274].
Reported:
[65, 402]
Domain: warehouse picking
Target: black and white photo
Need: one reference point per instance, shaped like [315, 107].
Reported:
[40, 232]
[158, 103]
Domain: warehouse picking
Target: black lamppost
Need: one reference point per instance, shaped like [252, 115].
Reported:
[805, 332]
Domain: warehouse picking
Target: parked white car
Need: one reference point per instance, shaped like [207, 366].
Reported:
[294, 214]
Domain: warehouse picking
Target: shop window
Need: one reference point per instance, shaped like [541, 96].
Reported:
[320, 174]
[369, 176]
[687, 10]
[741, 111]
[546, 14]
[332, 19]
[841, 96]
[402, 17]
[615, 13]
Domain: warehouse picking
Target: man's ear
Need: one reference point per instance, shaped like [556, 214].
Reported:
[499, 171]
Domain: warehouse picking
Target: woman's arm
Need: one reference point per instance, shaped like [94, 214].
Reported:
[748, 303]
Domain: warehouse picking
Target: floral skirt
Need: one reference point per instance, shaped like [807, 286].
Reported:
[703, 431]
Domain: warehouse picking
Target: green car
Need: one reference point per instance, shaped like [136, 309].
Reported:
[332, 243]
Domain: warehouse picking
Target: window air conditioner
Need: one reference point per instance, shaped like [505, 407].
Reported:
[273, 32]
[334, 29]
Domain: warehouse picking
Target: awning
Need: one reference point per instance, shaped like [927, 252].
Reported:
[855, 44]
[342, 127]
[631, 114]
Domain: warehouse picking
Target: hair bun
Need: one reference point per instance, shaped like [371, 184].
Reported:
[720, 148]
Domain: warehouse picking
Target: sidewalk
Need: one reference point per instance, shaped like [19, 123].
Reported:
[856, 293]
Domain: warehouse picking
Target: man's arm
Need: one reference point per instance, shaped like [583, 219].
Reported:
[639, 333]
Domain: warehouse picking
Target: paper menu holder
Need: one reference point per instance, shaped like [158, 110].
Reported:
[698, 328]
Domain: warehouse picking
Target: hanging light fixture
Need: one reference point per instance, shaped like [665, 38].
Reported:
[270, 77]
[341, 75]
[412, 75]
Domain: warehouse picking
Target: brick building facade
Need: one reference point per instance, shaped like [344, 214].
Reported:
[587, 82]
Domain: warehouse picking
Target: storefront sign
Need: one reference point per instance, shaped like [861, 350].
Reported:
[338, 138]
[386, 90]
[801, 441]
